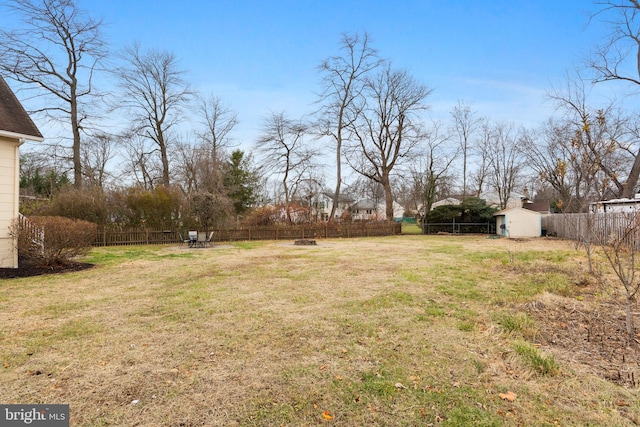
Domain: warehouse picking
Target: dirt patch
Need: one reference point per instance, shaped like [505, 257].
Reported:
[27, 268]
[589, 334]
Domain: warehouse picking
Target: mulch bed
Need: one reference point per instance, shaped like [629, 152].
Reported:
[27, 268]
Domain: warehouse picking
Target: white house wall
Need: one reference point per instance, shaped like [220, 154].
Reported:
[9, 196]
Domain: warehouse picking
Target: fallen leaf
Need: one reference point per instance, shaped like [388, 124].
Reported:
[510, 396]
[338, 377]
[327, 415]
[622, 403]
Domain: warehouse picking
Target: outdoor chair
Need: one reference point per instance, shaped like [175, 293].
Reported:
[193, 238]
[182, 239]
[209, 239]
[202, 238]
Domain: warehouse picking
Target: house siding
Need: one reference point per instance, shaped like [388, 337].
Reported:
[9, 199]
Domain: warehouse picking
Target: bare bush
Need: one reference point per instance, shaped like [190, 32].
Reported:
[53, 240]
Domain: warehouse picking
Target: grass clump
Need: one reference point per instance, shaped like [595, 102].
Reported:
[535, 359]
[520, 324]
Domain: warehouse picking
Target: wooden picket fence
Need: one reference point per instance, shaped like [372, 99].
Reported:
[107, 237]
[597, 228]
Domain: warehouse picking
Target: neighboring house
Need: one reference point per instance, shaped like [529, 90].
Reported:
[368, 210]
[616, 205]
[518, 222]
[326, 204]
[542, 207]
[492, 198]
[447, 202]
[15, 128]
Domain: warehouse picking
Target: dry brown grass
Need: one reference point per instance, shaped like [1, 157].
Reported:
[399, 330]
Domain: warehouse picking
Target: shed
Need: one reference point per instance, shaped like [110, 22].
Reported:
[15, 127]
[518, 222]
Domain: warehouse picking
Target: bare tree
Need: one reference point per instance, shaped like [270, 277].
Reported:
[618, 59]
[218, 121]
[551, 154]
[55, 53]
[505, 161]
[600, 141]
[388, 130]
[142, 165]
[342, 83]
[154, 93]
[432, 164]
[481, 153]
[98, 150]
[465, 124]
[283, 152]
[621, 250]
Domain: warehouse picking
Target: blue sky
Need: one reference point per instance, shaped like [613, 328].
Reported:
[260, 56]
[500, 56]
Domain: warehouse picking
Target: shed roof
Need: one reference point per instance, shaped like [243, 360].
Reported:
[14, 120]
[516, 209]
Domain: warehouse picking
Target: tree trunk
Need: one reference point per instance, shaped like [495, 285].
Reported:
[75, 129]
[336, 194]
[630, 186]
[388, 198]
[630, 327]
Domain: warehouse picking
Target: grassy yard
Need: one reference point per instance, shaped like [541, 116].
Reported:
[403, 330]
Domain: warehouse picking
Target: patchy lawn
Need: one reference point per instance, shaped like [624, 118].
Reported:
[402, 330]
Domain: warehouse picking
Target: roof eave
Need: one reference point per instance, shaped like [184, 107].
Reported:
[20, 136]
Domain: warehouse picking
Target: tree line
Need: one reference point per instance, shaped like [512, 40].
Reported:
[371, 119]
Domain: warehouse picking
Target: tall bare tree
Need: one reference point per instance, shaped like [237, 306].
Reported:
[505, 161]
[282, 150]
[465, 123]
[389, 128]
[154, 93]
[218, 121]
[342, 83]
[481, 152]
[55, 52]
[432, 164]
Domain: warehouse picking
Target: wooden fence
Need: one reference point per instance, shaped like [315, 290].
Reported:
[598, 228]
[108, 237]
